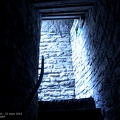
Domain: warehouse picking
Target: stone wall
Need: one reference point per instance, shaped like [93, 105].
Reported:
[81, 60]
[96, 57]
[58, 80]
[19, 51]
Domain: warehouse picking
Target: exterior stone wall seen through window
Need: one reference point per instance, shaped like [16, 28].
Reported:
[58, 80]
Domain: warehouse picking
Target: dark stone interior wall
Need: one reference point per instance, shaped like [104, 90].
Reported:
[19, 52]
[103, 31]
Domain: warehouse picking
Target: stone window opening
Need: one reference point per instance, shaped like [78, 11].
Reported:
[64, 74]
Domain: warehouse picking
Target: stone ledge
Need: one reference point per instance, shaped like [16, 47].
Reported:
[83, 103]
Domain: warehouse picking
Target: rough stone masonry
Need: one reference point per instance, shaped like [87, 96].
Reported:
[58, 80]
